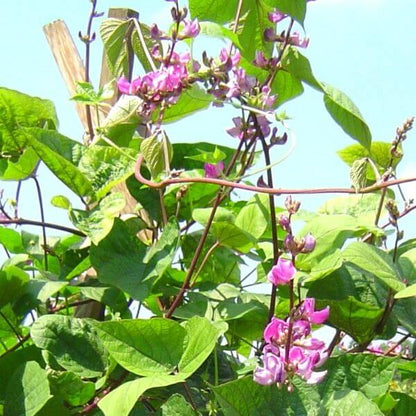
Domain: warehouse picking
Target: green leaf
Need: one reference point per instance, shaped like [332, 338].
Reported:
[106, 167]
[163, 252]
[85, 93]
[367, 373]
[200, 340]
[256, 21]
[218, 11]
[73, 342]
[13, 283]
[11, 240]
[253, 217]
[406, 405]
[153, 154]
[375, 261]
[347, 115]
[27, 391]
[190, 101]
[122, 120]
[244, 397]
[356, 318]
[160, 346]
[17, 111]
[408, 292]
[216, 30]
[298, 65]
[358, 173]
[379, 153]
[295, 9]
[331, 232]
[122, 400]
[98, 222]
[11, 361]
[47, 145]
[286, 86]
[144, 347]
[176, 405]
[71, 388]
[229, 235]
[119, 261]
[116, 34]
[202, 215]
[12, 170]
[352, 403]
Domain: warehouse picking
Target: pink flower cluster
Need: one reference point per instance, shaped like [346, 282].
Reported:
[291, 350]
[162, 85]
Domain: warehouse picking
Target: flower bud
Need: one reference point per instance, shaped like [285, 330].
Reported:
[291, 205]
[284, 222]
[308, 242]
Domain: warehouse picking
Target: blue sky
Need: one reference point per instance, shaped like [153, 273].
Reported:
[366, 48]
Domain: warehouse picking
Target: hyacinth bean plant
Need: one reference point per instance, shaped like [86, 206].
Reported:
[147, 303]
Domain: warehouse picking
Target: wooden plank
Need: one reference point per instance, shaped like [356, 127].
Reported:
[67, 59]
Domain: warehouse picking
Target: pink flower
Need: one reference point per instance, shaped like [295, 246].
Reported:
[308, 312]
[276, 16]
[272, 372]
[276, 331]
[296, 40]
[260, 60]
[190, 29]
[282, 273]
[213, 171]
[308, 243]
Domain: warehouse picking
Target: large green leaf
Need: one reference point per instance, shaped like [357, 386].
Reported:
[160, 346]
[15, 170]
[116, 34]
[295, 9]
[28, 390]
[331, 232]
[244, 397]
[11, 361]
[367, 373]
[13, 283]
[256, 21]
[17, 111]
[176, 405]
[71, 388]
[73, 343]
[352, 403]
[218, 11]
[106, 167]
[119, 261]
[375, 261]
[347, 115]
[298, 65]
[98, 222]
[286, 86]
[144, 347]
[253, 217]
[122, 400]
[356, 318]
[56, 158]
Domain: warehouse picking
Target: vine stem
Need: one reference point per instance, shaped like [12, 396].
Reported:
[19, 337]
[23, 221]
[42, 217]
[87, 41]
[266, 152]
[265, 190]
[195, 258]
